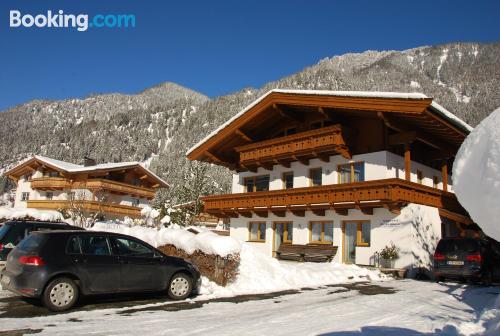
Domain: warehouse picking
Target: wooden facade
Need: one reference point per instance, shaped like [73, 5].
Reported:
[365, 196]
[284, 127]
[107, 188]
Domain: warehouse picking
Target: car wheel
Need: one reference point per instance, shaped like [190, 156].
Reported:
[487, 278]
[61, 294]
[180, 286]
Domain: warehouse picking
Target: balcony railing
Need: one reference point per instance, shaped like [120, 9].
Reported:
[368, 194]
[44, 183]
[91, 206]
[326, 140]
[58, 183]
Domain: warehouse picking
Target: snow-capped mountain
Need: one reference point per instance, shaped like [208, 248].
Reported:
[164, 121]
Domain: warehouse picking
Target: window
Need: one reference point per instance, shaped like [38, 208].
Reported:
[257, 231]
[54, 174]
[256, 183]
[283, 233]
[73, 246]
[94, 245]
[321, 232]
[315, 177]
[420, 176]
[435, 181]
[25, 196]
[132, 248]
[351, 172]
[49, 195]
[363, 232]
[135, 202]
[288, 180]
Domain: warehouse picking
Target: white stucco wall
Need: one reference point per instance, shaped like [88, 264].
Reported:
[378, 165]
[415, 232]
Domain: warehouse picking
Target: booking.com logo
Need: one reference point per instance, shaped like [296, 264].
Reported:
[80, 21]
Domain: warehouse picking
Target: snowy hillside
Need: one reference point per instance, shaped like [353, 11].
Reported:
[164, 121]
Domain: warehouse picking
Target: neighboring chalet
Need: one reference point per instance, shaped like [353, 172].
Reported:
[112, 190]
[326, 167]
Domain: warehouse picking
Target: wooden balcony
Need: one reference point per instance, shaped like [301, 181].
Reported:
[365, 196]
[58, 183]
[119, 187]
[319, 143]
[50, 183]
[91, 206]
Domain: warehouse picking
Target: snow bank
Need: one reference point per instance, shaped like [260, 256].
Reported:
[23, 213]
[207, 242]
[476, 174]
[260, 273]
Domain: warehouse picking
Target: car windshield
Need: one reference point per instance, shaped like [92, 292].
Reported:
[458, 245]
[31, 243]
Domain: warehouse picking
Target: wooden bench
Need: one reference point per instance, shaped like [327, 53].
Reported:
[310, 252]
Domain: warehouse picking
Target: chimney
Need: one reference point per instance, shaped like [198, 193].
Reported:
[88, 161]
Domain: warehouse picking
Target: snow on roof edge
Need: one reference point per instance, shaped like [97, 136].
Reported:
[74, 168]
[368, 94]
[450, 116]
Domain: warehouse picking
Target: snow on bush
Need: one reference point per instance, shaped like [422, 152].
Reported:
[476, 174]
[24, 213]
[260, 273]
[207, 242]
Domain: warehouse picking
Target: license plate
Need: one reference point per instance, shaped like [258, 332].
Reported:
[455, 263]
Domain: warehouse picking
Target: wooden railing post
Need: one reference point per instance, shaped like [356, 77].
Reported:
[444, 172]
[407, 162]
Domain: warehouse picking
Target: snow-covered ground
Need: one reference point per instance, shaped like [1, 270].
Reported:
[405, 307]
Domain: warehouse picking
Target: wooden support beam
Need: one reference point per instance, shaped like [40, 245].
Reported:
[341, 211]
[279, 213]
[366, 211]
[266, 165]
[302, 160]
[298, 213]
[143, 177]
[214, 157]
[402, 138]
[323, 113]
[394, 208]
[444, 173]
[247, 214]
[318, 212]
[263, 214]
[284, 163]
[287, 114]
[231, 214]
[324, 157]
[243, 135]
[407, 162]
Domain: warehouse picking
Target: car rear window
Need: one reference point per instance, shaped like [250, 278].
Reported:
[31, 243]
[458, 245]
[11, 234]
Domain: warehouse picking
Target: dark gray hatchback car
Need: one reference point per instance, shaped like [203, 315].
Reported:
[58, 266]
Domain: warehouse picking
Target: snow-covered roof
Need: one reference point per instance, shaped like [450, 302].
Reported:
[357, 94]
[75, 168]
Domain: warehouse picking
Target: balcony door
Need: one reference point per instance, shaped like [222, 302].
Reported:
[349, 247]
[283, 234]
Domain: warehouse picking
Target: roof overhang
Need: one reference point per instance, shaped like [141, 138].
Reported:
[36, 161]
[402, 104]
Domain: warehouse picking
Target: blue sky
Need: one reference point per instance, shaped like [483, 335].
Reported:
[216, 47]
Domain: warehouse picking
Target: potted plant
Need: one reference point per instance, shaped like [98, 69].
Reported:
[389, 254]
